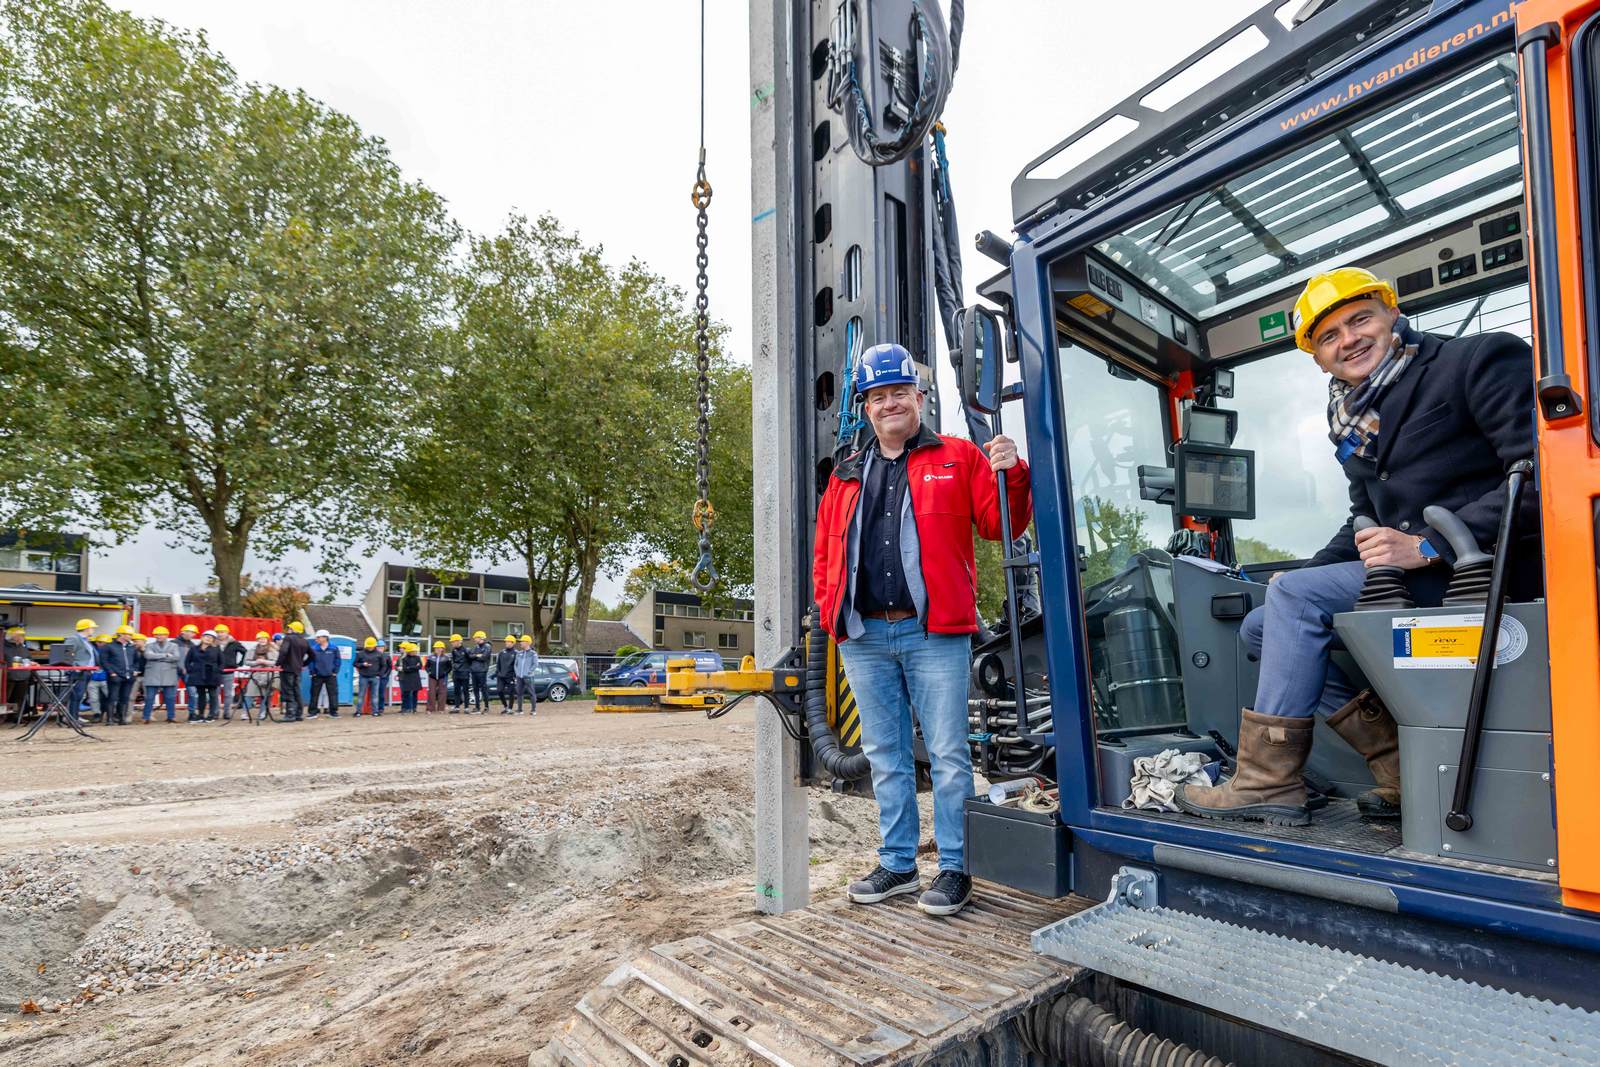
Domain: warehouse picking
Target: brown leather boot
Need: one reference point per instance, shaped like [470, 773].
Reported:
[1367, 727]
[1267, 785]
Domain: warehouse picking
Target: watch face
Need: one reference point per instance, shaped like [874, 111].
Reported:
[1427, 550]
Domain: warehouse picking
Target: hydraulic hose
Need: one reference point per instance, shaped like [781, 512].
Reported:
[824, 745]
[1074, 1029]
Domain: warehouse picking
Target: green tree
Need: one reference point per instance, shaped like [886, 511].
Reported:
[1252, 550]
[216, 292]
[561, 412]
[1113, 535]
[672, 534]
[654, 574]
[407, 612]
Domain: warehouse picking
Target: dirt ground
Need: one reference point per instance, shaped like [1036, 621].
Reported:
[428, 889]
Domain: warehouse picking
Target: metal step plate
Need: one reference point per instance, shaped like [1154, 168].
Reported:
[1357, 1005]
[833, 985]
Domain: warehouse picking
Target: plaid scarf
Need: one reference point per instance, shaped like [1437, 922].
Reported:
[1353, 409]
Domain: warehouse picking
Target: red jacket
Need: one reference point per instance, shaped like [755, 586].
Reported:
[951, 488]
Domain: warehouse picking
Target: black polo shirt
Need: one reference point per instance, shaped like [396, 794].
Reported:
[881, 581]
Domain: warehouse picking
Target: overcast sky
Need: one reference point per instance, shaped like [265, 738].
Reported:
[590, 111]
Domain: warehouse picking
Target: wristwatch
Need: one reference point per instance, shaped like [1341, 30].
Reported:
[1429, 554]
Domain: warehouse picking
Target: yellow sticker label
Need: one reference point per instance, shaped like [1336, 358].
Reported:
[1090, 304]
[1452, 642]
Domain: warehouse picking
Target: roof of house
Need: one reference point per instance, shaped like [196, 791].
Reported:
[605, 636]
[345, 619]
[152, 602]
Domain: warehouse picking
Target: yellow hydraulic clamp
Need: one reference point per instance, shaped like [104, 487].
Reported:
[688, 688]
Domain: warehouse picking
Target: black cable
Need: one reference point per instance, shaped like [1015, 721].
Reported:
[846, 96]
[789, 728]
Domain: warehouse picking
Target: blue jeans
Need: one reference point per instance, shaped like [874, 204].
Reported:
[373, 686]
[1292, 632]
[169, 693]
[895, 670]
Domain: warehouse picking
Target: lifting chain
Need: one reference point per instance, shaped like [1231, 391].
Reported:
[704, 575]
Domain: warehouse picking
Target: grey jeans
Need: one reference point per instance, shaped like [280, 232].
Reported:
[1291, 634]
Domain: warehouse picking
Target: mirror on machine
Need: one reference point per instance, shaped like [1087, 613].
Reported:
[981, 359]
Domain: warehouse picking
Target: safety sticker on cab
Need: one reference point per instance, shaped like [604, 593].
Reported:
[1451, 642]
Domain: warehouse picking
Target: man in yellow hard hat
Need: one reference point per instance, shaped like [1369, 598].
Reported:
[505, 673]
[293, 654]
[161, 657]
[81, 653]
[16, 653]
[480, 656]
[120, 661]
[369, 669]
[459, 675]
[1414, 419]
[438, 671]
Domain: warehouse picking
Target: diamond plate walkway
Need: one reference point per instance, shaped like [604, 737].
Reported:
[1357, 1005]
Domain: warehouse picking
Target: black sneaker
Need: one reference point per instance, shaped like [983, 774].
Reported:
[948, 894]
[882, 884]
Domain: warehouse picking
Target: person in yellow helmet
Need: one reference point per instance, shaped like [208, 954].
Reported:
[234, 676]
[294, 653]
[120, 660]
[161, 659]
[437, 667]
[410, 671]
[81, 653]
[480, 657]
[16, 653]
[369, 681]
[1414, 419]
[505, 673]
[460, 676]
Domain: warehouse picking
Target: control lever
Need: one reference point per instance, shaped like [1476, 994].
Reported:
[1385, 587]
[1460, 817]
[1470, 582]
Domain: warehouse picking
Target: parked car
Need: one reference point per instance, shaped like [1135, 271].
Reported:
[555, 682]
[650, 668]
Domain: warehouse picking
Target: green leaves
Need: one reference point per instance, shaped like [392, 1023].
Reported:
[220, 289]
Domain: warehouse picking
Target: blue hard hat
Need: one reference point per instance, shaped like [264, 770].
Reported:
[885, 364]
[277, 637]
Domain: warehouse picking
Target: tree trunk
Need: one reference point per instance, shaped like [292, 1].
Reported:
[588, 565]
[227, 564]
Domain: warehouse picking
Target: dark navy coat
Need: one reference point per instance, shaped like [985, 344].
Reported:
[1449, 429]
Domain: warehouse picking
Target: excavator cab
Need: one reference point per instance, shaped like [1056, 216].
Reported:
[1180, 451]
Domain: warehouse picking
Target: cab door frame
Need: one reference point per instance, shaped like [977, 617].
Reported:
[1555, 39]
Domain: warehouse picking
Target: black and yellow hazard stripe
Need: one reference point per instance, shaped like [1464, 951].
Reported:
[843, 715]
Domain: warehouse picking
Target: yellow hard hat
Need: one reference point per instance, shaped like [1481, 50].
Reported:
[15, 630]
[526, 637]
[102, 639]
[1326, 291]
[262, 635]
[297, 628]
[371, 642]
[511, 637]
[478, 635]
[455, 637]
[161, 631]
[124, 629]
[438, 644]
[87, 624]
[188, 628]
[140, 637]
[222, 628]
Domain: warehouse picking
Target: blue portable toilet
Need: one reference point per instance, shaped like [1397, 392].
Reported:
[347, 671]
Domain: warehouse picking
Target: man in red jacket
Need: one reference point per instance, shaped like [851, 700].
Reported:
[896, 586]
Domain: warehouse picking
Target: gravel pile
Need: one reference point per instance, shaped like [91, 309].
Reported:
[148, 941]
[355, 838]
[34, 887]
